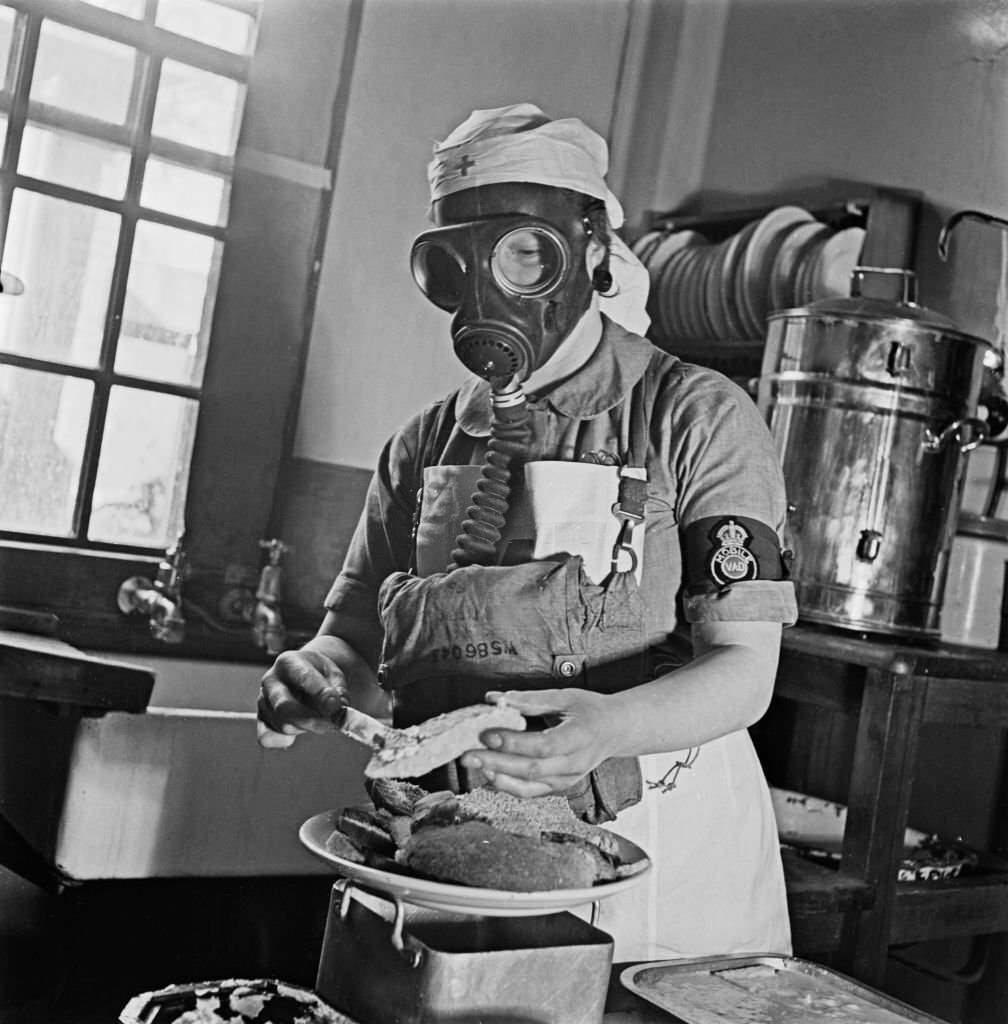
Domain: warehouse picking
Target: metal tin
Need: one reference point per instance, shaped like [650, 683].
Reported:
[408, 965]
[872, 405]
[974, 606]
[763, 989]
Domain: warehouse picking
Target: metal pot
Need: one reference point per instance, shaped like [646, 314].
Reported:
[872, 404]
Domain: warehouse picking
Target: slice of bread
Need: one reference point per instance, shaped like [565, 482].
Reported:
[419, 749]
[394, 795]
[540, 816]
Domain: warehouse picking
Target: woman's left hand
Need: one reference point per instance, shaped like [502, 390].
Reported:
[529, 764]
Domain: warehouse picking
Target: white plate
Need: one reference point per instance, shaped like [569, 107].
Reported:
[672, 243]
[788, 262]
[645, 246]
[735, 280]
[672, 294]
[760, 253]
[841, 253]
[815, 824]
[463, 899]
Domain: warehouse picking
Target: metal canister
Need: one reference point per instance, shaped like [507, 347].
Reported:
[872, 403]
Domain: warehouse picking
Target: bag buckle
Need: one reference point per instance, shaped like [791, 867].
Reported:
[624, 539]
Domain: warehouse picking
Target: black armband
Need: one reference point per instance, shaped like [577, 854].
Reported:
[721, 550]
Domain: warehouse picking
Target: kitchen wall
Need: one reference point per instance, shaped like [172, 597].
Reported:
[905, 93]
[378, 350]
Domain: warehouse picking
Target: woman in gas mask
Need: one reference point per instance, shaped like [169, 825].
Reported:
[588, 525]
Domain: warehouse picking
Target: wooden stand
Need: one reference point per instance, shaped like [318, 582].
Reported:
[886, 690]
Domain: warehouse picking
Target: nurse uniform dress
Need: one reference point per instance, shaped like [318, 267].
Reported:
[706, 550]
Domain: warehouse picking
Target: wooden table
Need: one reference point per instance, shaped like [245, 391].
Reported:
[42, 668]
[891, 689]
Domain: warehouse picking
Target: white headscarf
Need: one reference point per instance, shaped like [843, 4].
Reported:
[519, 143]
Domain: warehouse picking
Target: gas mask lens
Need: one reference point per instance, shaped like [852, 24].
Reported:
[440, 273]
[528, 261]
[525, 259]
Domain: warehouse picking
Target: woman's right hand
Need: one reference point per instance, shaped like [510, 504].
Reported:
[300, 693]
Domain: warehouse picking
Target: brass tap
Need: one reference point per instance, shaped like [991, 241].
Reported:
[160, 601]
[268, 629]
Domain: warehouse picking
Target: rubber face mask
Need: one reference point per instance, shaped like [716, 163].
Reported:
[516, 284]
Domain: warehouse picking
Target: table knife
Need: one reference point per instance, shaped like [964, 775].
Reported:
[362, 728]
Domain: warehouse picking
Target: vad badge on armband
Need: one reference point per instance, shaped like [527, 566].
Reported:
[731, 561]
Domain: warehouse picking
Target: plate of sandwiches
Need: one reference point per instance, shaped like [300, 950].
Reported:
[484, 852]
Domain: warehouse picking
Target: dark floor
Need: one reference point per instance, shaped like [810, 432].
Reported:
[79, 956]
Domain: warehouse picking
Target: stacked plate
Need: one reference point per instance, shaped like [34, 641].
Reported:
[724, 291]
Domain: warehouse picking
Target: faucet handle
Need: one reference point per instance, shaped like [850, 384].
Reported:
[276, 548]
[173, 567]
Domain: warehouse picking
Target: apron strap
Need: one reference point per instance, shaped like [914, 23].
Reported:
[430, 447]
[641, 406]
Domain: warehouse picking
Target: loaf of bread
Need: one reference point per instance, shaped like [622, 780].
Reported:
[477, 854]
[419, 749]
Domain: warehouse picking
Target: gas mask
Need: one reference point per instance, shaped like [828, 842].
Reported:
[517, 285]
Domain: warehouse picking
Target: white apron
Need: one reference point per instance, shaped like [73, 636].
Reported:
[716, 886]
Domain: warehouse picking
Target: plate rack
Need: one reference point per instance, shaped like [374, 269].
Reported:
[889, 220]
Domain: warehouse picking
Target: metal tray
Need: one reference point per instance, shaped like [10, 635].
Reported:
[763, 989]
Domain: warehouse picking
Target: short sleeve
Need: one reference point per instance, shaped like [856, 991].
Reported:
[731, 506]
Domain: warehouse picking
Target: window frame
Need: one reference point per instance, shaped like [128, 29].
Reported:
[153, 46]
[248, 399]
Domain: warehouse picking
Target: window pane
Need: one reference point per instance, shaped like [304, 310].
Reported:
[198, 108]
[63, 252]
[74, 160]
[84, 73]
[209, 23]
[131, 8]
[185, 192]
[43, 424]
[6, 36]
[169, 303]
[143, 471]
[3, 131]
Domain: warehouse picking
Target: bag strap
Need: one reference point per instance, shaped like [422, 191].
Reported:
[434, 439]
[632, 495]
[639, 434]
[430, 445]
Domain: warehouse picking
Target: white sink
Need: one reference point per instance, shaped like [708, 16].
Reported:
[182, 790]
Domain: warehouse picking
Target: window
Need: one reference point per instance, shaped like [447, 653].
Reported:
[150, 371]
[120, 123]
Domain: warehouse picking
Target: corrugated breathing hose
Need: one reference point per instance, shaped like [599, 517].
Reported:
[485, 517]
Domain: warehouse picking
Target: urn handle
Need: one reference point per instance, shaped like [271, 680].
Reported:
[974, 429]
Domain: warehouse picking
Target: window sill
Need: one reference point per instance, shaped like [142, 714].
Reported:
[71, 594]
